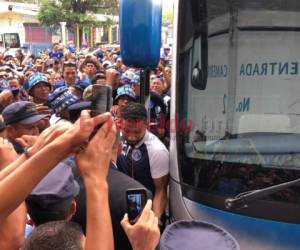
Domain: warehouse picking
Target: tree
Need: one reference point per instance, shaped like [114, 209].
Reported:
[81, 12]
[167, 16]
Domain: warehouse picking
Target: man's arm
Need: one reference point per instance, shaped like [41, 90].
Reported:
[22, 180]
[12, 228]
[160, 196]
[93, 164]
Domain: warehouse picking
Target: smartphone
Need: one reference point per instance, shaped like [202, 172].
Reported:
[101, 99]
[136, 200]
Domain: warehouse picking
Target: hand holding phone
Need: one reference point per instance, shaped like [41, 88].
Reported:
[101, 99]
[136, 200]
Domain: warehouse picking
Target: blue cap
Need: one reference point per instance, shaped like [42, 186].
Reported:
[80, 106]
[125, 90]
[194, 235]
[56, 189]
[61, 98]
[82, 84]
[59, 83]
[130, 77]
[99, 54]
[35, 79]
[72, 48]
[22, 112]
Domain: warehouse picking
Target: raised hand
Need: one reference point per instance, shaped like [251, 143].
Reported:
[93, 161]
[144, 234]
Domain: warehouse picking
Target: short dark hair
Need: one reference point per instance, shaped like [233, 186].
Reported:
[58, 235]
[134, 110]
[100, 75]
[69, 64]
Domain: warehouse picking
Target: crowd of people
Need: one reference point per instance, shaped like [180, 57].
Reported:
[64, 173]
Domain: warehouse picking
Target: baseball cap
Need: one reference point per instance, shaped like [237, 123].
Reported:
[8, 56]
[61, 98]
[82, 84]
[56, 190]
[87, 93]
[129, 77]
[125, 90]
[106, 64]
[194, 235]
[80, 106]
[22, 112]
[76, 108]
[35, 79]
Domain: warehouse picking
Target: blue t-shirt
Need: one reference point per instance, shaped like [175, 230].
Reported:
[59, 54]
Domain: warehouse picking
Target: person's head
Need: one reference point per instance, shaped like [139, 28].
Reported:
[58, 235]
[19, 55]
[107, 64]
[38, 64]
[79, 87]
[27, 73]
[157, 86]
[70, 56]
[119, 62]
[50, 73]
[56, 65]
[129, 77]
[167, 77]
[56, 47]
[3, 75]
[57, 77]
[76, 108]
[91, 66]
[125, 94]
[69, 72]
[134, 122]
[39, 87]
[81, 59]
[60, 100]
[167, 72]
[99, 78]
[21, 118]
[54, 197]
[14, 83]
[8, 57]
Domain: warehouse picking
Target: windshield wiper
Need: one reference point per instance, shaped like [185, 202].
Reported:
[242, 200]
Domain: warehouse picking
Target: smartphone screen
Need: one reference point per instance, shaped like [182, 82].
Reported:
[101, 99]
[136, 200]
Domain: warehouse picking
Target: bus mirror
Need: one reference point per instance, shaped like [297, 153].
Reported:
[140, 32]
[199, 68]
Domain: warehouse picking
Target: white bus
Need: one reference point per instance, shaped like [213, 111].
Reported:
[236, 94]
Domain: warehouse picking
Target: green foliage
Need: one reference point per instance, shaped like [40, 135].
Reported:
[52, 12]
[168, 16]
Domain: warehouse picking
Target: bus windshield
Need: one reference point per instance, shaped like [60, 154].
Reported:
[242, 130]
